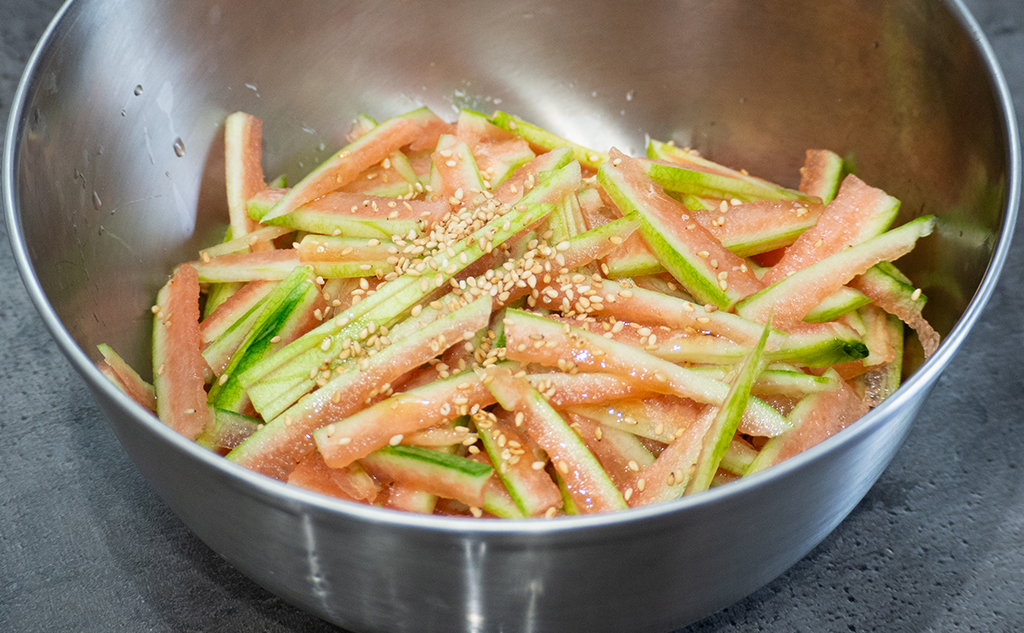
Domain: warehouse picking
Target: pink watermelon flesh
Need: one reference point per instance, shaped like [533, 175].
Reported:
[666, 478]
[564, 390]
[354, 437]
[345, 166]
[243, 134]
[127, 379]
[832, 412]
[840, 225]
[313, 474]
[232, 308]
[905, 308]
[178, 363]
[589, 486]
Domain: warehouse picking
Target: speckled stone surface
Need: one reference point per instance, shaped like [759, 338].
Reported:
[937, 544]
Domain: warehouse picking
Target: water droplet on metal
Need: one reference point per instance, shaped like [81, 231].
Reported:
[629, 96]
[138, 90]
[96, 204]
[179, 147]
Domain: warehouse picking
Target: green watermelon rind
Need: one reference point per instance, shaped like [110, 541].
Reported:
[517, 394]
[539, 137]
[285, 375]
[841, 302]
[390, 362]
[459, 478]
[675, 256]
[285, 303]
[727, 421]
[902, 239]
[325, 173]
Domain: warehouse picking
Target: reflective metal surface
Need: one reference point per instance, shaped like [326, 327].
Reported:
[113, 173]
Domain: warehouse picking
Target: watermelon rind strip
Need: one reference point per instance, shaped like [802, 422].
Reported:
[727, 420]
[284, 376]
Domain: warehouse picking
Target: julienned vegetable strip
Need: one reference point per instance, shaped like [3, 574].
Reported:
[531, 338]
[420, 127]
[708, 270]
[718, 437]
[802, 290]
[177, 363]
[428, 321]
[285, 376]
[591, 488]
[243, 176]
[276, 448]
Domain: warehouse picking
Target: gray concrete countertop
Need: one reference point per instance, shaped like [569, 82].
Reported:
[936, 545]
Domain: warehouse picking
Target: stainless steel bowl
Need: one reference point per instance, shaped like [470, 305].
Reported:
[113, 172]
